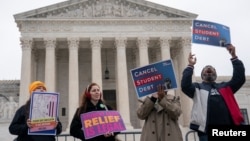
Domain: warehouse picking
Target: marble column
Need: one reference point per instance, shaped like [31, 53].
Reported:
[166, 55]
[96, 60]
[26, 72]
[183, 61]
[122, 94]
[50, 64]
[165, 48]
[73, 78]
[175, 53]
[142, 44]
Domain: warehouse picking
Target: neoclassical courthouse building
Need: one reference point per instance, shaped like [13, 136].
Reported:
[73, 43]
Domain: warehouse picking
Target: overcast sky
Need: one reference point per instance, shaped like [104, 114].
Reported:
[233, 13]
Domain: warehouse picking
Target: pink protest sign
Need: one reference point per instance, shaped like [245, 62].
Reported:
[100, 122]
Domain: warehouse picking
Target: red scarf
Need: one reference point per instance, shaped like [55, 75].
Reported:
[232, 105]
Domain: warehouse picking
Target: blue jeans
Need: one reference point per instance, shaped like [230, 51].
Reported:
[202, 136]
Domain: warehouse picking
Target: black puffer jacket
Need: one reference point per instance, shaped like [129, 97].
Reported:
[19, 127]
[76, 125]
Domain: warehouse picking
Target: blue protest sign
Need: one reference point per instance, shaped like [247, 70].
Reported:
[147, 78]
[210, 33]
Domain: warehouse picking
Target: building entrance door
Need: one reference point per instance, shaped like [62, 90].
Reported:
[110, 98]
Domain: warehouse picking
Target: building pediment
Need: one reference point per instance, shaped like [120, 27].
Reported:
[104, 9]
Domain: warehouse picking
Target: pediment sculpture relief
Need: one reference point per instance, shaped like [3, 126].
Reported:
[8, 107]
[105, 9]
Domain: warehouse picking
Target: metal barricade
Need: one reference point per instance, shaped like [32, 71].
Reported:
[133, 135]
[191, 132]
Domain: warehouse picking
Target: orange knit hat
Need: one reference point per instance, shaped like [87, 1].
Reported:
[34, 85]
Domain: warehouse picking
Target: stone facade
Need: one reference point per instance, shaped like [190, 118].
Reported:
[69, 44]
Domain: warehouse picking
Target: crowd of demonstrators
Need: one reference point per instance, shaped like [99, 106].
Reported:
[212, 105]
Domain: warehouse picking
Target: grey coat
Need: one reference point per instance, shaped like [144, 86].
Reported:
[161, 119]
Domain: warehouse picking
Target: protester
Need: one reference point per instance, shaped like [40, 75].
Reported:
[92, 100]
[213, 103]
[160, 113]
[22, 122]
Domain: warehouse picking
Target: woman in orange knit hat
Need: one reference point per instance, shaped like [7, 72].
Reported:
[37, 86]
[21, 122]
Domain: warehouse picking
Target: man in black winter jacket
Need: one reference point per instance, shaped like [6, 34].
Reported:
[212, 102]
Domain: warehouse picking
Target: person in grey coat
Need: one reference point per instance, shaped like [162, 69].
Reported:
[160, 113]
